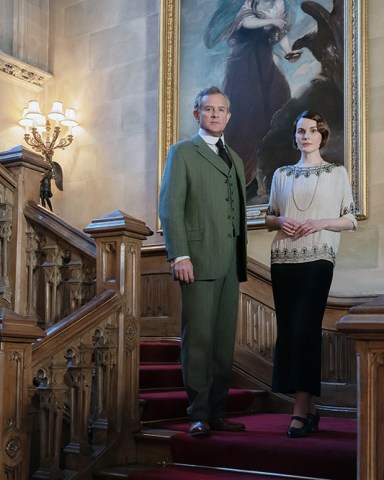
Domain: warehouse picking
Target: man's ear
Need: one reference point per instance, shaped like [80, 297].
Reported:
[196, 115]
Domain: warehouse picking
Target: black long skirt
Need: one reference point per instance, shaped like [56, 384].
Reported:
[300, 292]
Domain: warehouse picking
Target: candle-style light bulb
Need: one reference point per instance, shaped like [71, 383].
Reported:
[69, 120]
[26, 122]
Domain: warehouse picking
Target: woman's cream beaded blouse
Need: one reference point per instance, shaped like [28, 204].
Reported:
[301, 193]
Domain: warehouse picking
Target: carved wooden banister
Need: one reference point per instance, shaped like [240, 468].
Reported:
[51, 263]
[61, 265]
[59, 335]
[79, 384]
[86, 368]
[365, 325]
[59, 228]
[16, 337]
[66, 386]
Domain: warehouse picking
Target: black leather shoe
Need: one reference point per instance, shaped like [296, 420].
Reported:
[223, 425]
[298, 432]
[313, 422]
[199, 428]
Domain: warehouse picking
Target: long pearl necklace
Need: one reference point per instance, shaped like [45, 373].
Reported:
[314, 192]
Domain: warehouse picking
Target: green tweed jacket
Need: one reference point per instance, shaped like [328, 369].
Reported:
[195, 212]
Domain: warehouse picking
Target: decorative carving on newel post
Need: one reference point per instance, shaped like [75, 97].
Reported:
[119, 239]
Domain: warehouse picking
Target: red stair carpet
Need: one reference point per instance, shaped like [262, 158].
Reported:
[161, 385]
[197, 473]
[262, 448]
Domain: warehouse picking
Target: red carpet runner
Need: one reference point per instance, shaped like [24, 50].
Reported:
[264, 447]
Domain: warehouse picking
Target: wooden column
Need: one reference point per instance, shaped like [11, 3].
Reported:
[27, 168]
[119, 240]
[365, 324]
[16, 337]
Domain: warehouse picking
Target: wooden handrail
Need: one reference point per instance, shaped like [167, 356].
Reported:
[59, 228]
[73, 326]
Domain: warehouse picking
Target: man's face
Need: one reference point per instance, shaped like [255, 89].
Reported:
[213, 114]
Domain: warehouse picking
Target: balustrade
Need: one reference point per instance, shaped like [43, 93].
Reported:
[87, 383]
[69, 356]
[60, 278]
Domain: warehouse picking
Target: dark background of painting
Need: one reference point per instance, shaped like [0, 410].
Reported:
[316, 80]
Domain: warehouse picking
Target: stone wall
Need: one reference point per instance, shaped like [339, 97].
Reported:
[104, 59]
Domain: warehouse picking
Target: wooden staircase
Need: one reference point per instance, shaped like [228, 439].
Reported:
[73, 307]
[163, 400]
[164, 424]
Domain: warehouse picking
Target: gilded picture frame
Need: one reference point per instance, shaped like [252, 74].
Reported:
[354, 106]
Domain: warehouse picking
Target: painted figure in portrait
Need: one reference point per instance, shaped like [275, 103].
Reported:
[279, 57]
[252, 80]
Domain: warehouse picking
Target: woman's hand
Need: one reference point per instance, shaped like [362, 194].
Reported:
[308, 226]
[288, 225]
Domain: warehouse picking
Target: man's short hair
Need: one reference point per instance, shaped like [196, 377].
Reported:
[209, 91]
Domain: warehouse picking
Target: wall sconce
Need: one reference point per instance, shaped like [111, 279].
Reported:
[38, 136]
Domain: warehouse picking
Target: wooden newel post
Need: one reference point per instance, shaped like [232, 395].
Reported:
[16, 337]
[27, 169]
[119, 238]
[365, 324]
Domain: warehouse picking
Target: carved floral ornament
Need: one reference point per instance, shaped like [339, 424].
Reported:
[19, 72]
[13, 447]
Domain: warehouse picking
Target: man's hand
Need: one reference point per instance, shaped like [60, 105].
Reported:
[183, 271]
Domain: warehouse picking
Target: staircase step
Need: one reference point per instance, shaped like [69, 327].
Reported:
[264, 447]
[160, 376]
[173, 404]
[262, 452]
[121, 472]
[164, 352]
[177, 472]
[193, 472]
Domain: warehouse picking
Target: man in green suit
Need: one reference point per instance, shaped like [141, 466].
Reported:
[203, 214]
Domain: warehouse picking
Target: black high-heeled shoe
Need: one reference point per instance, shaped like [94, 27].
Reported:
[313, 422]
[298, 432]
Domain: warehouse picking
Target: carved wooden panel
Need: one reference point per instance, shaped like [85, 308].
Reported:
[338, 358]
[257, 329]
[14, 441]
[160, 296]
[7, 202]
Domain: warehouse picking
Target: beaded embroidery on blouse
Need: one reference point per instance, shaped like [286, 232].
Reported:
[303, 255]
[308, 171]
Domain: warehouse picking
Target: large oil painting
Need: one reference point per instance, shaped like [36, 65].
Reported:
[302, 55]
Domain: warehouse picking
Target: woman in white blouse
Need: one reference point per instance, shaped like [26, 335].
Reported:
[311, 202]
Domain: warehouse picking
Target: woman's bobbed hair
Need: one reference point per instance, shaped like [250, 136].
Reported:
[321, 123]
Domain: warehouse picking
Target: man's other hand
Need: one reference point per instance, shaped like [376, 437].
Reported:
[183, 271]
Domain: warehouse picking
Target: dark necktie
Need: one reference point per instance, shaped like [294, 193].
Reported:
[223, 153]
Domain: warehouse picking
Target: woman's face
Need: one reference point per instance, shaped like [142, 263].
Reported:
[307, 136]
